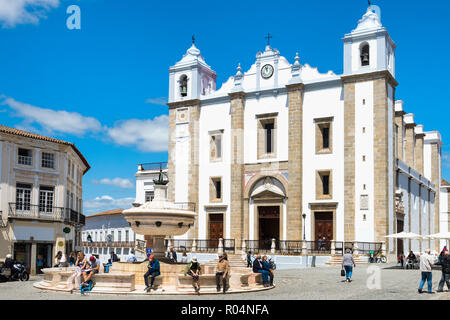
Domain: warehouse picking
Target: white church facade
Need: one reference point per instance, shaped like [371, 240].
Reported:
[284, 152]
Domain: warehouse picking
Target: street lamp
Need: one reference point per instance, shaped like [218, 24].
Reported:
[304, 218]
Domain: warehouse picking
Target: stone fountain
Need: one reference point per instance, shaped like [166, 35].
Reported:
[159, 218]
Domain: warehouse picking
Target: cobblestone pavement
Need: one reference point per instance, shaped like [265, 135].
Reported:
[303, 284]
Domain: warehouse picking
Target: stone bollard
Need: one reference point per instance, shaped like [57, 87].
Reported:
[355, 248]
[273, 247]
[220, 248]
[169, 244]
[304, 248]
[244, 247]
[194, 246]
[383, 248]
[333, 247]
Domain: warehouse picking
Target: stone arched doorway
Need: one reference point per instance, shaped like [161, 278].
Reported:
[267, 208]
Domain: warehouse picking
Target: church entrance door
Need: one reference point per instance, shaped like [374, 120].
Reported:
[215, 228]
[269, 225]
[323, 230]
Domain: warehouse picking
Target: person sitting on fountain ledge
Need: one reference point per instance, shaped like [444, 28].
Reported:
[193, 269]
[153, 272]
[259, 268]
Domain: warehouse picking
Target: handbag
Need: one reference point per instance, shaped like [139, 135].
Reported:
[342, 272]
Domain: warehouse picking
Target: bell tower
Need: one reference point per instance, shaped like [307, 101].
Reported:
[190, 78]
[369, 48]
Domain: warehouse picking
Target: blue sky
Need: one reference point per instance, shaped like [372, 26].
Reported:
[103, 87]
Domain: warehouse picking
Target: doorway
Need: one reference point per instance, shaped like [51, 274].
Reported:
[22, 253]
[269, 225]
[400, 228]
[215, 228]
[323, 230]
[43, 256]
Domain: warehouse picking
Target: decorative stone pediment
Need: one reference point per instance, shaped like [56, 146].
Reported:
[268, 188]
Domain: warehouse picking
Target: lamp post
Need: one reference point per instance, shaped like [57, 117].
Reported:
[304, 218]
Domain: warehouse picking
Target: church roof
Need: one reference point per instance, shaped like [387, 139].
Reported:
[445, 183]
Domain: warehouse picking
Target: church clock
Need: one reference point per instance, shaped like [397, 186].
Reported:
[267, 71]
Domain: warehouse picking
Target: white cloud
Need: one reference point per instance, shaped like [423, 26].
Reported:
[147, 135]
[105, 202]
[117, 182]
[162, 101]
[53, 121]
[13, 12]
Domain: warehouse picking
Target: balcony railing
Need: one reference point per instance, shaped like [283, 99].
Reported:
[186, 206]
[45, 213]
[209, 245]
[155, 166]
[105, 244]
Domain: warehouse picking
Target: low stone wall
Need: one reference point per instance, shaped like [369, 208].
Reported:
[168, 275]
[56, 278]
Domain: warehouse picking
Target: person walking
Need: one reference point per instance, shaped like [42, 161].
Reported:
[249, 259]
[222, 273]
[259, 268]
[194, 270]
[348, 263]
[426, 260]
[152, 272]
[173, 255]
[445, 263]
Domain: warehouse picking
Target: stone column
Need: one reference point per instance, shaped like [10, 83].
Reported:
[172, 153]
[33, 259]
[194, 132]
[239, 223]
[383, 165]
[418, 150]
[349, 161]
[400, 124]
[273, 247]
[295, 166]
[436, 180]
[409, 144]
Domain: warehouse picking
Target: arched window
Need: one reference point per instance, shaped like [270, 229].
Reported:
[183, 85]
[365, 58]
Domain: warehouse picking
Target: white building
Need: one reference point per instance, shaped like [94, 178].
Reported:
[41, 188]
[109, 231]
[282, 151]
[147, 172]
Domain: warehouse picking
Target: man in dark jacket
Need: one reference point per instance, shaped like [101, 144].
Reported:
[445, 263]
[152, 272]
[259, 268]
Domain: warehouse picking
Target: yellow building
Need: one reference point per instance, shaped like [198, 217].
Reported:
[40, 197]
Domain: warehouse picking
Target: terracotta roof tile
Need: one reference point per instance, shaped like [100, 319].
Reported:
[106, 213]
[445, 183]
[22, 133]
